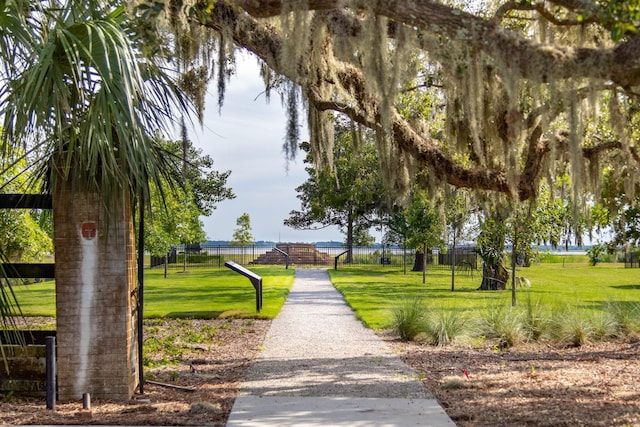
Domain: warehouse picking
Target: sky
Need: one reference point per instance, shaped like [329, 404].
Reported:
[246, 137]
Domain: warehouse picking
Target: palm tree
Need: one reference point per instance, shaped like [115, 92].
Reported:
[82, 98]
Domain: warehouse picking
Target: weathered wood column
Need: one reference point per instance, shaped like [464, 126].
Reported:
[95, 296]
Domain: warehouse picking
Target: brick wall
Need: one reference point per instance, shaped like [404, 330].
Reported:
[95, 297]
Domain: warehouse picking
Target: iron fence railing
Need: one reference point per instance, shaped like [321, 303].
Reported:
[297, 254]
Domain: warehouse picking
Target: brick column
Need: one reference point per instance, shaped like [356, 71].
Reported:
[95, 296]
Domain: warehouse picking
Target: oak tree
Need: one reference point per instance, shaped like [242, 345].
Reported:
[348, 193]
[518, 82]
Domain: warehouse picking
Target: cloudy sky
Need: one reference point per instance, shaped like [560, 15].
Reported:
[246, 137]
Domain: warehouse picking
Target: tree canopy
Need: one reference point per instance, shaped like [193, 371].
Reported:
[242, 234]
[175, 213]
[348, 195]
[520, 90]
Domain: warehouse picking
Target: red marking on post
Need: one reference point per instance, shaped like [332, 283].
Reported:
[89, 230]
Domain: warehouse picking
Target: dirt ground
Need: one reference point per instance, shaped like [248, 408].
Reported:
[597, 385]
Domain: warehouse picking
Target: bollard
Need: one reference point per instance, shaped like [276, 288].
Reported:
[51, 372]
[86, 401]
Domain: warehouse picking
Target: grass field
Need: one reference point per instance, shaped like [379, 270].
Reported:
[374, 294]
[198, 293]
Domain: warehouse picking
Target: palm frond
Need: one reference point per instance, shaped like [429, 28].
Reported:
[103, 103]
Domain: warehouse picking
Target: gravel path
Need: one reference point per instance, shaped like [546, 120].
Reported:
[317, 347]
[321, 367]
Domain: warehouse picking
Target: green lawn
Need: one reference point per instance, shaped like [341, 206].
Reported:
[206, 293]
[374, 294]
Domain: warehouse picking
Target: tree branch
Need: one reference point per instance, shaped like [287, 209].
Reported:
[364, 107]
[525, 57]
[539, 7]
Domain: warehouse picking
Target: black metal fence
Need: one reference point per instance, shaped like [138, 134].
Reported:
[631, 260]
[306, 254]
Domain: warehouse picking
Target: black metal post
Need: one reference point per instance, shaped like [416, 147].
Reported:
[141, 293]
[335, 261]
[256, 280]
[50, 352]
[285, 255]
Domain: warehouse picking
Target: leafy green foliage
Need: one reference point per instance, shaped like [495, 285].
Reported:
[348, 194]
[555, 220]
[423, 224]
[490, 244]
[595, 253]
[176, 207]
[623, 16]
[242, 235]
[24, 234]
[80, 92]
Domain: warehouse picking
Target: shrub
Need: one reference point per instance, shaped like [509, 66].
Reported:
[595, 253]
[409, 319]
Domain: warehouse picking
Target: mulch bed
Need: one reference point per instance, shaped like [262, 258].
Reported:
[595, 385]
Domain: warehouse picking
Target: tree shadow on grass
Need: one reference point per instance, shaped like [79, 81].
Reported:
[629, 287]
[194, 314]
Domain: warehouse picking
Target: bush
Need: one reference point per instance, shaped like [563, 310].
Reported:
[596, 252]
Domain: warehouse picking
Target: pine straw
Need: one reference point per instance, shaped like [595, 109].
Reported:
[597, 385]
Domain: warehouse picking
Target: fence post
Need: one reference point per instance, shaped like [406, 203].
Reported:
[51, 372]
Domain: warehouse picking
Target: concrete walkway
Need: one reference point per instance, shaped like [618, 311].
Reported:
[321, 367]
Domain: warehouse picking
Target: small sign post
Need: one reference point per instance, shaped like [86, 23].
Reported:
[256, 280]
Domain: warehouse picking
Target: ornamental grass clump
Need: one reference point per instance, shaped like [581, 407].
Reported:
[444, 326]
[626, 315]
[572, 327]
[604, 326]
[503, 324]
[409, 319]
[535, 319]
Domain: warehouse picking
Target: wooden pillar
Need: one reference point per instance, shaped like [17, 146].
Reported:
[95, 296]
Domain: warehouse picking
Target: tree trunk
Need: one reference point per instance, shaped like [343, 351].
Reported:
[419, 263]
[494, 277]
[349, 259]
[453, 262]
